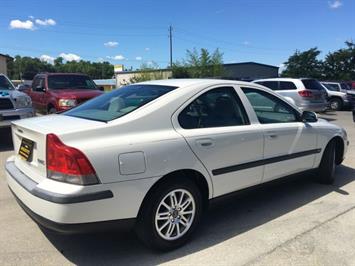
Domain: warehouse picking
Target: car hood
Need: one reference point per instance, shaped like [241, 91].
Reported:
[13, 94]
[76, 93]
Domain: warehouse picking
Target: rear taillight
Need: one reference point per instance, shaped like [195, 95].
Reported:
[68, 164]
[305, 93]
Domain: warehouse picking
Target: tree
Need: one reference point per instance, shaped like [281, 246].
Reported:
[304, 64]
[199, 64]
[28, 67]
[340, 65]
[147, 72]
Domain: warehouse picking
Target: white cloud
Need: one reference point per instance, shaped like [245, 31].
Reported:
[246, 43]
[47, 58]
[70, 57]
[116, 57]
[138, 58]
[147, 49]
[31, 17]
[336, 4]
[18, 24]
[111, 44]
[46, 22]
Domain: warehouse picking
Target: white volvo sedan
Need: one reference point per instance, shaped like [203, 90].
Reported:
[155, 153]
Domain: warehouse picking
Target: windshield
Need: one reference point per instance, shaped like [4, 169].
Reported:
[312, 84]
[119, 102]
[331, 87]
[56, 82]
[5, 84]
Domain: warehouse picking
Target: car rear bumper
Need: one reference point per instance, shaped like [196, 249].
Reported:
[7, 116]
[89, 207]
[78, 228]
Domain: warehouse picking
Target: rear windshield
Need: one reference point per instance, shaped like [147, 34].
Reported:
[56, 82]
[5, 84]
[312, 84]
[119, 102]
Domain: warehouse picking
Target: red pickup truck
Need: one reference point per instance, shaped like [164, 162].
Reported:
[55, 92]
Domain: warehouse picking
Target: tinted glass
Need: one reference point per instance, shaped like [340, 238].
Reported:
[119, 102]
[344, 86]
[270, 109]
[70, 82]
[287, 85]
[274, 85]
[312, 84]
[218, 107]
[331, 86]
[5, 84]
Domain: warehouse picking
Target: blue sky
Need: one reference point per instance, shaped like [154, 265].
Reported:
[133, 32]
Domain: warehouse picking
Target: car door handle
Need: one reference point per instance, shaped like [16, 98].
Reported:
[205, 143]
[271, 135]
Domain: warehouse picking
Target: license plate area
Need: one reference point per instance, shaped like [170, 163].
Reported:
[26, 149]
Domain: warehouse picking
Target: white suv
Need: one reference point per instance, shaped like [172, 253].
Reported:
[307, 94]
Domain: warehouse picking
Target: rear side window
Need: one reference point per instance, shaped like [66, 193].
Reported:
[274, 85]
[312, 84]
[287, 85]
[220, 107]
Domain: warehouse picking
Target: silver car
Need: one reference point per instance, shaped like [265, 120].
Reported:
[13, 103]
[337, 96]
[306, 93]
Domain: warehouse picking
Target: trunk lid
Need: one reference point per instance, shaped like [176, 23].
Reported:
[36, 130]
[319, 94]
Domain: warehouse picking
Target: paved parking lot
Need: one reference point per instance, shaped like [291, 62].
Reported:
[292, 221]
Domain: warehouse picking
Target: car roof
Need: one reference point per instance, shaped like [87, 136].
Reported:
[189, 82]
[281, 79]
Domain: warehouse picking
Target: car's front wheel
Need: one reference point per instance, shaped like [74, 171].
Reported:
[170, 214]
[326, 170]
[335, 104]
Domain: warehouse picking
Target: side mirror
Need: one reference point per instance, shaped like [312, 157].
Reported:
[40, 89]
[309, 117]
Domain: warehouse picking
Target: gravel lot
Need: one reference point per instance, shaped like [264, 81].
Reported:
[292, 221]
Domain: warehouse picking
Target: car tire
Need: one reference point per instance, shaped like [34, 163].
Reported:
[165, 229]
[326, 169]
[335, 104]
[52, 110]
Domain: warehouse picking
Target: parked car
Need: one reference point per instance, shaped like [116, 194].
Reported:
[307, 94]
[337, 96]
[337, 86]
[23, 87]
[154, 154]
[351, 85]
[55, 92]
[13, 104]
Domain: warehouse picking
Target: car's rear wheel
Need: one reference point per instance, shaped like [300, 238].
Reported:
[335, 104]
[326, 170]
[170, 214]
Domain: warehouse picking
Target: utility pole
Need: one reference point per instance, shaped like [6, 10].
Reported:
[171, 45]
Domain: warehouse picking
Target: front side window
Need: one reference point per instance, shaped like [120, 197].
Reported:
[270, 109]
[218, 107]
[57, 82]
[331, 86]
[119, 102]
[5, 84]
